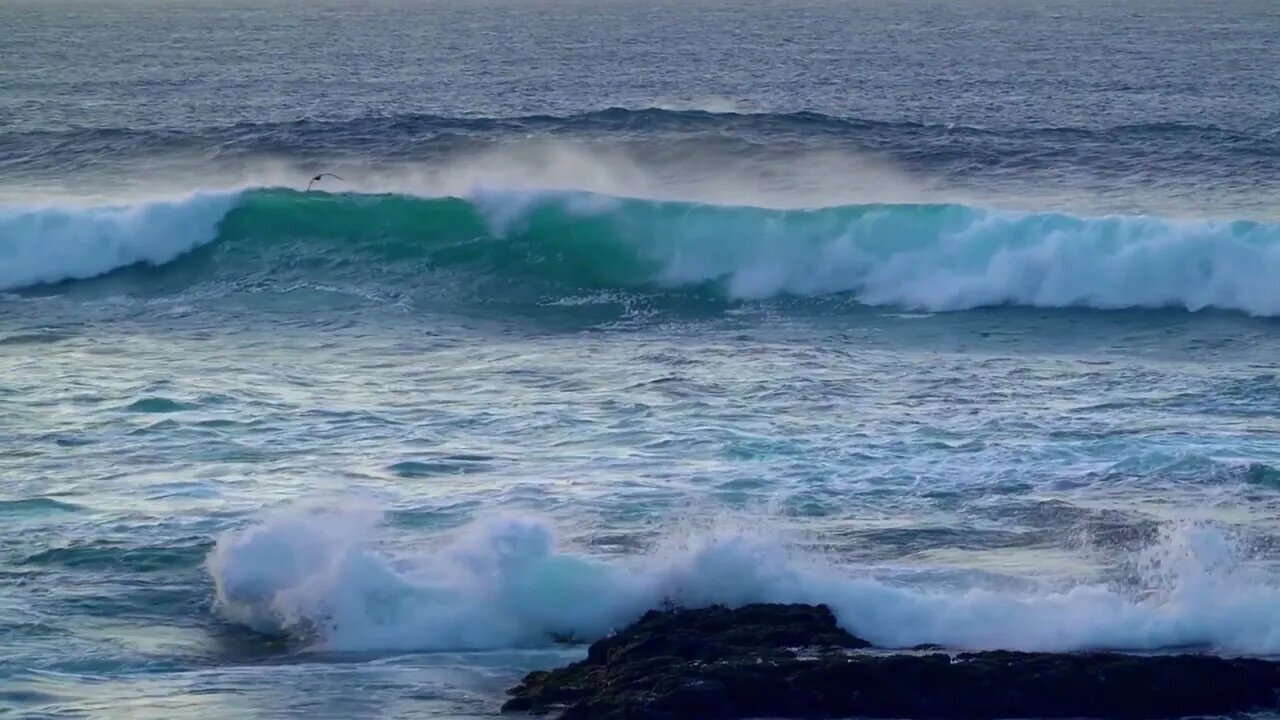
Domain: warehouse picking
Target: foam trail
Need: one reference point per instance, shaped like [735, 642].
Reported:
[53, 243]
[314, 575]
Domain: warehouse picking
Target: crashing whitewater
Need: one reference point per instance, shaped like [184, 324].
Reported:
[321, 576]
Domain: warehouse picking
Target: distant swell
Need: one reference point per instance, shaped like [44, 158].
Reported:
[605, 120]
[1143, 154]
[932, 257]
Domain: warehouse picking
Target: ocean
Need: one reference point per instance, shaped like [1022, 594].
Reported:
[960, 317]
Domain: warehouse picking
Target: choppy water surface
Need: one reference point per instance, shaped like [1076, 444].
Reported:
[615, 306]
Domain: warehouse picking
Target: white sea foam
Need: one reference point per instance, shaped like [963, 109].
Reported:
[316, 575]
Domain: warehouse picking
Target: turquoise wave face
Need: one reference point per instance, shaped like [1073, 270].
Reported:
[930, 257]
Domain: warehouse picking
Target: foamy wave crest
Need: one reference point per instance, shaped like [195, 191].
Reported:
[930, 257]
[956, 258]
[54, 243]
[316, 576]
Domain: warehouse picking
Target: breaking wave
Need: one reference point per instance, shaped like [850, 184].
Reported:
[932, 257]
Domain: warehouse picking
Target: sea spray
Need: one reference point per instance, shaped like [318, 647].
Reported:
[315, 574]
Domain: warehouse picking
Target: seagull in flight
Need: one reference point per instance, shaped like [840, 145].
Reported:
[319, 177]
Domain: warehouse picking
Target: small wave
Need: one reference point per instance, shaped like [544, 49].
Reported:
[447, 465]
[920, 257]
[36, 506]
[1263, 475]
[158, 405]
[34, 338]
[314, 575]
[114, 556]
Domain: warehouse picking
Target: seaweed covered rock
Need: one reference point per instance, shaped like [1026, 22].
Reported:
[793, 661]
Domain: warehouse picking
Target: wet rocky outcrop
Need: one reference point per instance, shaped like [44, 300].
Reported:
[793, 661]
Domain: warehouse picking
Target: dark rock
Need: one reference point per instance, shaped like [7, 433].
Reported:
[793, 661]
[718, 632]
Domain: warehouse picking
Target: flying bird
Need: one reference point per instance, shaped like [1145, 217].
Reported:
[317, 179]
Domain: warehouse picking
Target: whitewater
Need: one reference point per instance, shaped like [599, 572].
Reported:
[310, 574]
